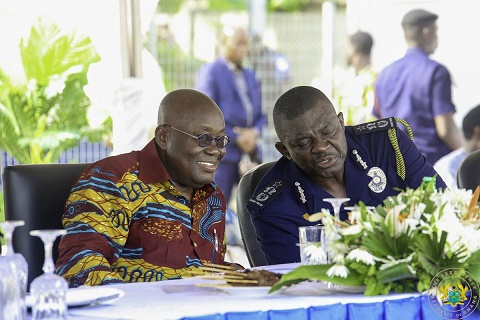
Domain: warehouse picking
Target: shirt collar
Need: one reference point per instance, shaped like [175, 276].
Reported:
[416, 51]
[151, 168]
[232, 66]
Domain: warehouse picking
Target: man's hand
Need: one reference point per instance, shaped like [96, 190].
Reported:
[247, 139]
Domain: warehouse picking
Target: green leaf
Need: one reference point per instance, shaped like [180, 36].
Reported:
[48, 52]
[316, 272]
[47, 115]
[430, 250]
[396, 272]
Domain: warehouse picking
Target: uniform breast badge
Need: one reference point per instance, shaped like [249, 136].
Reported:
[301, 192]
[379, 181]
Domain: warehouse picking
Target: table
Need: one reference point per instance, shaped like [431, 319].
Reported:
[182, 299]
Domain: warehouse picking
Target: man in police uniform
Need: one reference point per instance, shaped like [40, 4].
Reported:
[419, 89]
[322, 159]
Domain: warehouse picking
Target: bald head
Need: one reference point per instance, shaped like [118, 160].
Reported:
[295, 102]
[234, 44]
[183, 104]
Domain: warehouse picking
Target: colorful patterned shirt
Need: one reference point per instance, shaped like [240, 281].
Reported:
[126, 222]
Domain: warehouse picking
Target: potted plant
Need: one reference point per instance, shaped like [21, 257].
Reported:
[45, 113]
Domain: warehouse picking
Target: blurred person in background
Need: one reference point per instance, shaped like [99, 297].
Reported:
[237, 92]
[447, 167]
[419, 89]
[353, 94]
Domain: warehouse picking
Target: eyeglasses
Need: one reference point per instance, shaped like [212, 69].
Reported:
[204, 140]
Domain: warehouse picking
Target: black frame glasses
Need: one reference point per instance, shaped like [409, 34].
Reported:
[204, 140]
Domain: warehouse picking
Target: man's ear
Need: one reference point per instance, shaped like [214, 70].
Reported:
[476, 131]
[161, 137]
[340, 118]
[281, 148]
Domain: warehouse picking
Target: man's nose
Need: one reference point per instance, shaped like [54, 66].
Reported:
[320, 145]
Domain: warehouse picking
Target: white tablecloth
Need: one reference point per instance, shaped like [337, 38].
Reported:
[176, 299]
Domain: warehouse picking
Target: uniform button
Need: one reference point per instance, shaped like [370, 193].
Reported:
[195, 244]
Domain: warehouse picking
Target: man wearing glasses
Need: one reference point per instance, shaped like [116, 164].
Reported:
[153, 214]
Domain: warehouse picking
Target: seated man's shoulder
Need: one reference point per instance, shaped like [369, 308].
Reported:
[269, 187]
[113, 167]
[374, 126]
[263, 196]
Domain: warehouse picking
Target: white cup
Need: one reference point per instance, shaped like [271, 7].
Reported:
[312, 245]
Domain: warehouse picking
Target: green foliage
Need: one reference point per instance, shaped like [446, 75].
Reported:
[174, 6]
[227, 5]
[315, 273]
[170, 6]
[402, 245]
[431, 253]
[46, 113]
[287, 5]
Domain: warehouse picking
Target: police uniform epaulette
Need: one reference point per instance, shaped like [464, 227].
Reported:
[388, 124]
[267, 194]
[373, 126]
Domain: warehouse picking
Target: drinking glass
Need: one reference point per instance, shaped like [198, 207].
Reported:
[11, 302]
[49, 290]
[336, 204]
[312, 244]
[18, 260]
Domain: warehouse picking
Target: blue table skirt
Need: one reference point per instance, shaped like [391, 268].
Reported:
[403, 309]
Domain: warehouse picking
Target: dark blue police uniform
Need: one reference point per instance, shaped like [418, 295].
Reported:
[285, 193]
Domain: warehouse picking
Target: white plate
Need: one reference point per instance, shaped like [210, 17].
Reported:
[246, 291]
[85, 296]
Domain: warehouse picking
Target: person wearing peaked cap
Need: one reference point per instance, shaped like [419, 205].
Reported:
[323, 158]
[419, 89]
[418, 17]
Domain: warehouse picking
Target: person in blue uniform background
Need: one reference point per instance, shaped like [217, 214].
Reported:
[419, 89]
[323, 158]
[237, 91]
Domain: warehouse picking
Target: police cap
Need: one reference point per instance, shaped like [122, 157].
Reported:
[418, 17]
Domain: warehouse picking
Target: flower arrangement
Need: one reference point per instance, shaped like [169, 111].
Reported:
[399, 246]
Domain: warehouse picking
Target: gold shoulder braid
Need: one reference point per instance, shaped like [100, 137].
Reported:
[388, 124]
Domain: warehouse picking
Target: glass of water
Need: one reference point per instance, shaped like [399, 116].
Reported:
[20, 265]
[313, 249]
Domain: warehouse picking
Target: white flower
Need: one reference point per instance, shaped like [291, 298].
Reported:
[418, 210]
[395, 221]
[458, 234]
[361, 255]
[338, 270]
[391, 261]
[339, 258]
[457, 196]
[313, 254]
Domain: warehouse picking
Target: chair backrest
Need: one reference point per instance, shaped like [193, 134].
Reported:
[468, 176]
[36, 194]
[245, 189]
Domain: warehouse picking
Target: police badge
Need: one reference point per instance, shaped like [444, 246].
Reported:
[379, 181]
